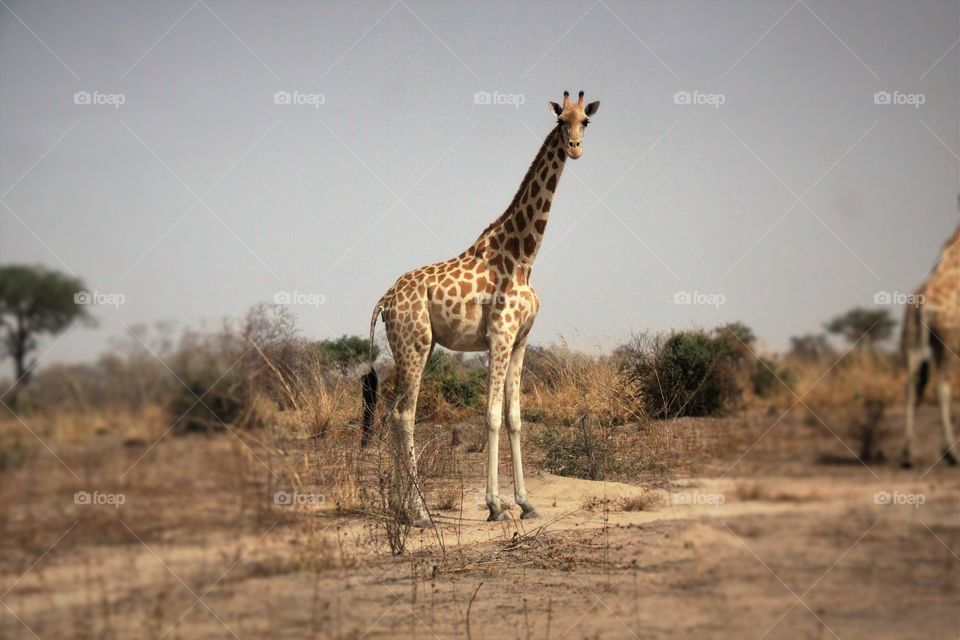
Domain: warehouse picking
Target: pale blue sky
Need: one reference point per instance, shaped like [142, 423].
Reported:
[303, 199]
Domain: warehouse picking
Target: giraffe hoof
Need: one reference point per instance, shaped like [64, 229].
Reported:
[906, 464]
[422, 523]
[496, 516]
[528, 512]
[950, 458]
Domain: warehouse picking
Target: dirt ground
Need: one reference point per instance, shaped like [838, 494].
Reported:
[776, 540]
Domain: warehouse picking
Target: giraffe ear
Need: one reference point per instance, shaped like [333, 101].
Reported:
[592, 108]
[555, 108]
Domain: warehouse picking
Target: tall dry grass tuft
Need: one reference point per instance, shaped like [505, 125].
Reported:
[852, 395]
[584, 407]
[562, 386]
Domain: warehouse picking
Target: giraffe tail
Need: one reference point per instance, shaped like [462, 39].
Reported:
[369, 383]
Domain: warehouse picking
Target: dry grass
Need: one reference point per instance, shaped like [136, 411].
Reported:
[751, 490]
[860, 377]
[853, 397]
[646, 501]
[561, 386]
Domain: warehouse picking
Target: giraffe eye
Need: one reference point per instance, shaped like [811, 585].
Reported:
[586, 122]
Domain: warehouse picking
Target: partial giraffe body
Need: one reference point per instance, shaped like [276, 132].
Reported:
[931, 331]
[480, 300]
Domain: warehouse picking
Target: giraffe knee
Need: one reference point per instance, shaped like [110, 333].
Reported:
[494, 421]
[513, 420]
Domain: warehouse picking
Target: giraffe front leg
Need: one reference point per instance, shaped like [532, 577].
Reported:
[513, 428]
[945, 370]
[915, 383]
[499, 361]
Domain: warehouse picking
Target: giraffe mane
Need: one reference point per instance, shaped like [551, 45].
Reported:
[476, 247]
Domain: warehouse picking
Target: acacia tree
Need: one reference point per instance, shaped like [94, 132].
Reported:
[863, 327]
[810, 346]
[34, 301]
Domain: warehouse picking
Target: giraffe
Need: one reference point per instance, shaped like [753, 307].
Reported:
[480, 300]
[931, 330]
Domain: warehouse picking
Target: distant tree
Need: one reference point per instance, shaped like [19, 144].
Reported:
[863, 327]
[34, 301]
[810, 347]
[738, 330]
[737, 338]
[347, 351]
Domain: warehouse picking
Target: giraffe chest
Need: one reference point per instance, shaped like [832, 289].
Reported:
[464, 322]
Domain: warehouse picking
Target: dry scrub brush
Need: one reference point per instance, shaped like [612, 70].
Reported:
[852, 395]
[561, 386]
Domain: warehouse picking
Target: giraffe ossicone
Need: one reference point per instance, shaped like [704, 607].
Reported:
[480, 300]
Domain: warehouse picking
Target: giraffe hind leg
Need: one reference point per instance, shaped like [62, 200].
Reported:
[408, 498]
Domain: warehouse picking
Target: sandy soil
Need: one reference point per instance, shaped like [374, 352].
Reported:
[773, 549]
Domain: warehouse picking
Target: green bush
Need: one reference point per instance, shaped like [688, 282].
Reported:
[587, 450]
[684, 373]
[345, 352]
[769, 377]
[460, 384]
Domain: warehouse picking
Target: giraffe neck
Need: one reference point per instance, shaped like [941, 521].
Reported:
[514, 238]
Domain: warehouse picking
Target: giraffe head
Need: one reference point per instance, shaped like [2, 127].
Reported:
[572, 119]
